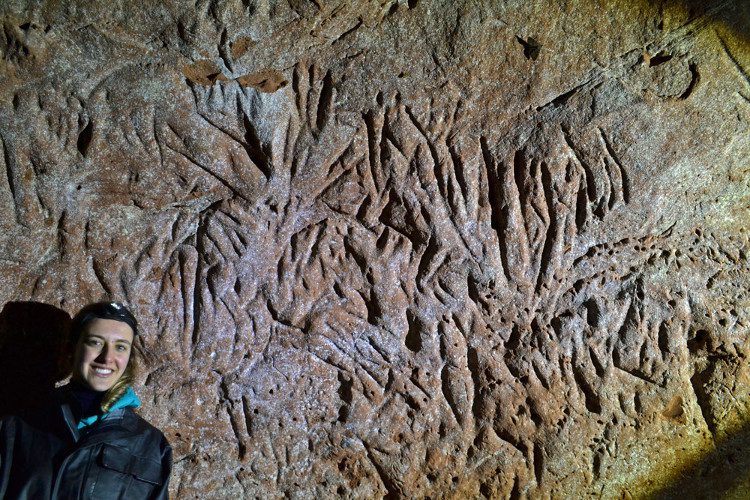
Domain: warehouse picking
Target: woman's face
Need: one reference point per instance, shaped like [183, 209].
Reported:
[102, 353]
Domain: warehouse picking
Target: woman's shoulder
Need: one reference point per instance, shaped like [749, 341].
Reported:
[143, 427]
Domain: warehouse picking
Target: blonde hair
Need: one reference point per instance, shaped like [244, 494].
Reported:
[115, 392]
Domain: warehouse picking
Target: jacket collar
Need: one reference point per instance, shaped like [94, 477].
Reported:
[115, 419]
[127, 400]
[70, 421]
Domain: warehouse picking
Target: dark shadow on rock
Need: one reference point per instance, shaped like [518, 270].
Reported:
[718, 473]
[733, 14]
[31, 335]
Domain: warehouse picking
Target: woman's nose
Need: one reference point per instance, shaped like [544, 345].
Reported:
[104, 354]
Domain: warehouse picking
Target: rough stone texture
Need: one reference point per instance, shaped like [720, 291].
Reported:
[400, 248]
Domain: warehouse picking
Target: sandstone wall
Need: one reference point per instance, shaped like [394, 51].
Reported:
[399, 248]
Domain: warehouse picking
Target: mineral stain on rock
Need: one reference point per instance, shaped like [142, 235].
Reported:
[265, 81]
[203, 72]
[241, 46]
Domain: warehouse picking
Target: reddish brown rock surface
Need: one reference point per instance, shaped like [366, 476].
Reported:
[400, 248]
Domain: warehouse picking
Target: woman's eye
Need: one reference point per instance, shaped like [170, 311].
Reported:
[93, 343]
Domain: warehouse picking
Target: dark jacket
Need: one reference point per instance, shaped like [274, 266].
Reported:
[45, 456]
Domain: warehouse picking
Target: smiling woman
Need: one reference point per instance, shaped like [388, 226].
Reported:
[87, 442]
[103, 353]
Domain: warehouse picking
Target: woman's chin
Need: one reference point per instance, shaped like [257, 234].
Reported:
[96, 383]
[101, 387]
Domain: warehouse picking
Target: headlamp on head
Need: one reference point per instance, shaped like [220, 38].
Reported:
[101, 310]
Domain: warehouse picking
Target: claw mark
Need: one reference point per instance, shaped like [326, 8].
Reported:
[374, 125]
[430, 146]
[17, 194]
[624, 181]
[446, 381]
[223, 52]
[538, 462]
[735, 62]
[581, 204]
[460, 171]
[234, 422]
[565, 96]
[8, 160]
[694, 79]
[589, 175]
[190, 270]
[325, 103]
[472, 364]
[553, 236]
[258, 152]
[101, 277]
[84, 138]
[391, 489]
[345, 394]
[498, 207]
[591, 398]
[349, 31]
[299, 87]
[198, 164]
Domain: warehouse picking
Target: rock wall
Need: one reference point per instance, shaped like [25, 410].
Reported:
[398, 248]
